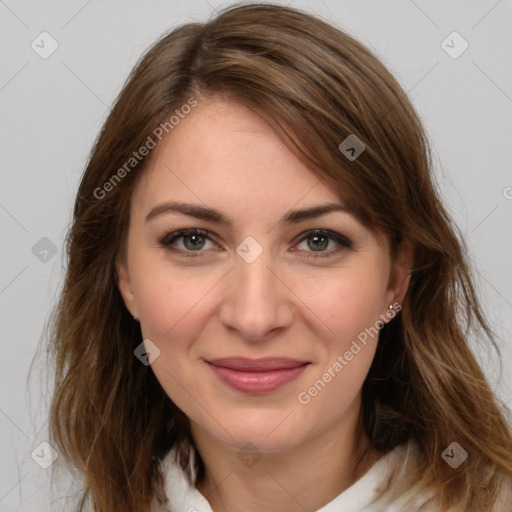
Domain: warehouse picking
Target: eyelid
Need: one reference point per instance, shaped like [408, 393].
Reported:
[342, 241]
[339, 238]
[174, 235]
[169, 238]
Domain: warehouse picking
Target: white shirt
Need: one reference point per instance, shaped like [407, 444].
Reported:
[357, 498]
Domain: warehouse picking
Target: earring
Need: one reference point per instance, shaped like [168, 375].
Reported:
[391, 306]
[135, 318]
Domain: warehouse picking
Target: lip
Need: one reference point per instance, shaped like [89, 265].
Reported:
[257, 376]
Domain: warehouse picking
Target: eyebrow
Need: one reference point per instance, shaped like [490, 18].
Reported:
[209, 214]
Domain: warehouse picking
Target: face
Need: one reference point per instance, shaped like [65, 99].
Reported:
[253, 281]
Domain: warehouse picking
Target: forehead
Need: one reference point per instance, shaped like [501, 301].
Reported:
[225, 154]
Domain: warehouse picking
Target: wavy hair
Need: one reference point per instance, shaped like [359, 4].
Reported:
[316, 85]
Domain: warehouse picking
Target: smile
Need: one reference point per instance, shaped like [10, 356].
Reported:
[257, 376]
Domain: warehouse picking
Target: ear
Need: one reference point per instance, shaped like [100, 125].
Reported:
[400, 274]
[125, 287]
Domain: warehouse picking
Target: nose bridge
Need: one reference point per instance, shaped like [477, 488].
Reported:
[255, 281]
[255, 302]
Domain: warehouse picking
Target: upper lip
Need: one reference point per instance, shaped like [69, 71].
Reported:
[265, 364]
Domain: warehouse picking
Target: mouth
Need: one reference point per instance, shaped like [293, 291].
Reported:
[257, 376]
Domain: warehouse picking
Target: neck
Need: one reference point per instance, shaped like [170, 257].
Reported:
[305, 477]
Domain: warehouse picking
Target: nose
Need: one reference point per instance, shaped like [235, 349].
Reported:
[256, 301]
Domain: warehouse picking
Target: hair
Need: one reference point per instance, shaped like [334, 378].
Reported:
[316, 85]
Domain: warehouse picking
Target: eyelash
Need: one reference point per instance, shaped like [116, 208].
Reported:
[343, 242]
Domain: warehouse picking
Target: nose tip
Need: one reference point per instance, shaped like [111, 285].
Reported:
[255, 303]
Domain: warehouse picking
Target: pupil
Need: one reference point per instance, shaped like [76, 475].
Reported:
[194, 241]
[319, 242]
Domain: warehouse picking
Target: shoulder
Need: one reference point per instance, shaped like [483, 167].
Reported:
[368, 493]
[181, 494]
[391, 469]
[401, 463]
[394, 492]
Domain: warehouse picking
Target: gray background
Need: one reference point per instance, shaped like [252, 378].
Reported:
[51, 110]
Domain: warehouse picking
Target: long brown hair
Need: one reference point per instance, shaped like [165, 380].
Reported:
[110, 417]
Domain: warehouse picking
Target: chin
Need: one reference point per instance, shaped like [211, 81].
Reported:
[269, 431]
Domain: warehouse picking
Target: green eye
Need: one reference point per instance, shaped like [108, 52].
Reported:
[318, 242]
[193, 242]
[322, 242]
[188, 240]
[313, 243]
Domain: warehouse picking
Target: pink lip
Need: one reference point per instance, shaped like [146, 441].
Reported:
[257, 376]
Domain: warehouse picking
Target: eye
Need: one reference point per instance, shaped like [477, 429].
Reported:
[188, 240]
[322, 243]
[194, 242]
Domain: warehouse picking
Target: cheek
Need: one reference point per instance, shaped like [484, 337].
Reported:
[172, 302]
[343, 306]
[346, 310]
[171, 313]
[174, 310]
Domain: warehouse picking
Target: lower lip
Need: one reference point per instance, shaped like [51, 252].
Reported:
[257, 383]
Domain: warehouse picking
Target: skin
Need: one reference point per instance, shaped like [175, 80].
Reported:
[286, 303]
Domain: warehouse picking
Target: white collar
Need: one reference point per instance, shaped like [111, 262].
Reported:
[185, 498]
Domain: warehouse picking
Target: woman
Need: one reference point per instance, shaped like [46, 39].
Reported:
[266, 305]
